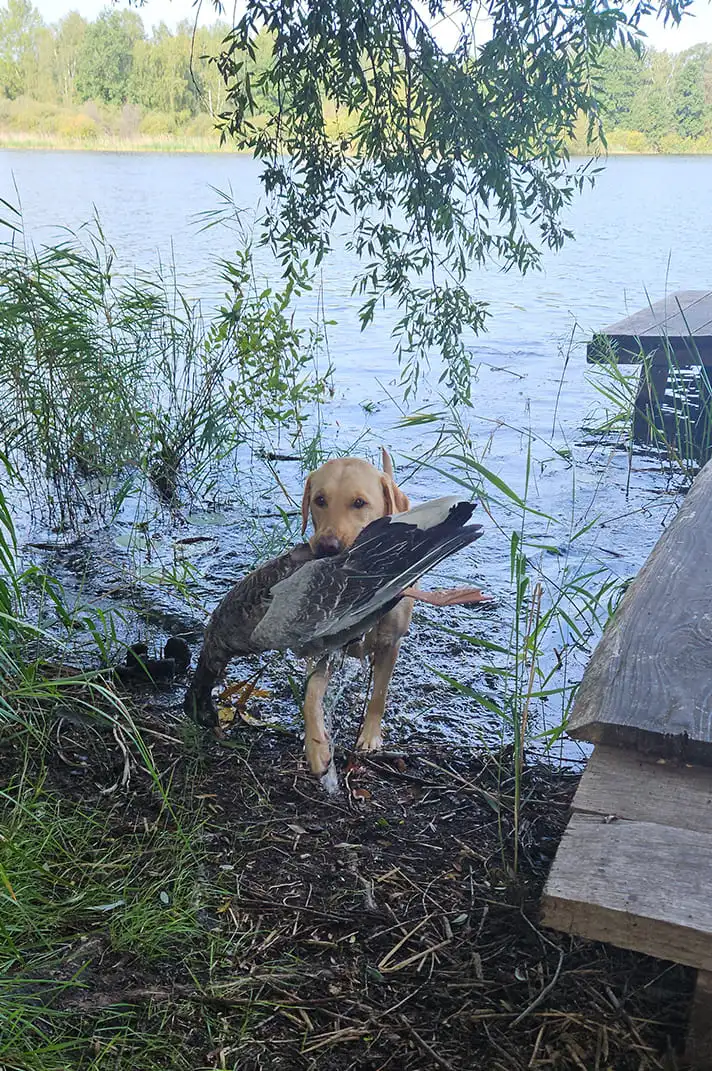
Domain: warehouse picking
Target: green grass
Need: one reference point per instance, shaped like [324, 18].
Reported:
[117, 388]
[86, 883]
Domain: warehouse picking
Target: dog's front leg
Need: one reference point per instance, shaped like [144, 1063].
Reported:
[316, 739]
[384, 659]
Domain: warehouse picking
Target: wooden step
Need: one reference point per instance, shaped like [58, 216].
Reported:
[634, 867]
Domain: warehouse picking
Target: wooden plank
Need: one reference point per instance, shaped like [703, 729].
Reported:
[620, 782]
[635, 884]
[667, 316]
[648, 684]
[664, 331]
[698, 1050]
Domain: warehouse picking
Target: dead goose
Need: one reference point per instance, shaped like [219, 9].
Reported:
[312, 605]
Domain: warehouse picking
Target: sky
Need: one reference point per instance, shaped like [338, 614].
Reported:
[695, 27]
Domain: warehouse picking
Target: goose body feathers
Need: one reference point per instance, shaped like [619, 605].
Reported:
[313, 605]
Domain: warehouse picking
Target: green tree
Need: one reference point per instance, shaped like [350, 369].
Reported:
[106, 57]
[688, 91]
[707, 83]
[653, 104]
[160, 78]
[68, 43]
[620, 77]
[20, 24]
[458, 154]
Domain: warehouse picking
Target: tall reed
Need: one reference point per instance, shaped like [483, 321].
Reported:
[114, 385]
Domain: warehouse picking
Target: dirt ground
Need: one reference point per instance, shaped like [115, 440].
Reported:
[385, 927]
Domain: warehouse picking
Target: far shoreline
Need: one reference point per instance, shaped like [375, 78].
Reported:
[182, 146]
[207, 146]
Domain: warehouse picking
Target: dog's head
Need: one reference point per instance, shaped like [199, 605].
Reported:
[342, 497]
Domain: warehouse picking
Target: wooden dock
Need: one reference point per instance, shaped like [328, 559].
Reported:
[635, 864]
[672, 341]
[679, 325]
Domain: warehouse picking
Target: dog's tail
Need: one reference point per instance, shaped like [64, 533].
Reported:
[386, 463]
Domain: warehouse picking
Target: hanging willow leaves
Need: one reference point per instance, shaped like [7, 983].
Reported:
[436, 158]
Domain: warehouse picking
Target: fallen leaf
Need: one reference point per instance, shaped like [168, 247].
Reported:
[361, 793]
[240, 687]
[250, 720]
[226, 715]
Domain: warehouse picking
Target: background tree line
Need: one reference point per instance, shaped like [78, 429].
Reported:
[657, 101]
[80, 80]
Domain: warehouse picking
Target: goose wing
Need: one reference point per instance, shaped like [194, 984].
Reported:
[232, 624]
[332, 600]
[391, 554]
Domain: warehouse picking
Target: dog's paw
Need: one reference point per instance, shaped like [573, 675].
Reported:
[369, 741]
[318, 755]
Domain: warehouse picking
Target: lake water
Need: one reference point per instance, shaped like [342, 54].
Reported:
[642, 231]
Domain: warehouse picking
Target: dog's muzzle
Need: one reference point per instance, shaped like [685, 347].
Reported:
[327, 546]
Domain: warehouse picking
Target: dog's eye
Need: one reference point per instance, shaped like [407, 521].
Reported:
[358, 503]
[320, 501]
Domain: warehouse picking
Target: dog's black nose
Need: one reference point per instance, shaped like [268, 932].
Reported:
[327, 546]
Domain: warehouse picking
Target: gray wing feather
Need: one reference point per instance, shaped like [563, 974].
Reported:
[300, 606]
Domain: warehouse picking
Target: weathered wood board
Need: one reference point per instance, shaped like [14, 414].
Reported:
[649, 682]
[635, 884]
[662, 331]
[619, 782]
[634, 868]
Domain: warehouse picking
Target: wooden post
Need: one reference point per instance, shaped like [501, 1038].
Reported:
[698, 1050]
[648, 404]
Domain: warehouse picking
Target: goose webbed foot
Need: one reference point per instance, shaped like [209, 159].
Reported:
[447, 596]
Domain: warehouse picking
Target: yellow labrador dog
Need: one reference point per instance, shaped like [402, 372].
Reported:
[342, 497]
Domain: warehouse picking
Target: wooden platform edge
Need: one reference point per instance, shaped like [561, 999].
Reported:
[665, 351]
[677, 747]
[634, 884]
[678, 326]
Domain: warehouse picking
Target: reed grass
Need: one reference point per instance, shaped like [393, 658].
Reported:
[115, 387]
[561, 595]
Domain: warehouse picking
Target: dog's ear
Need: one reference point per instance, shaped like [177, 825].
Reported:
[396, 501]
[306, 503]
